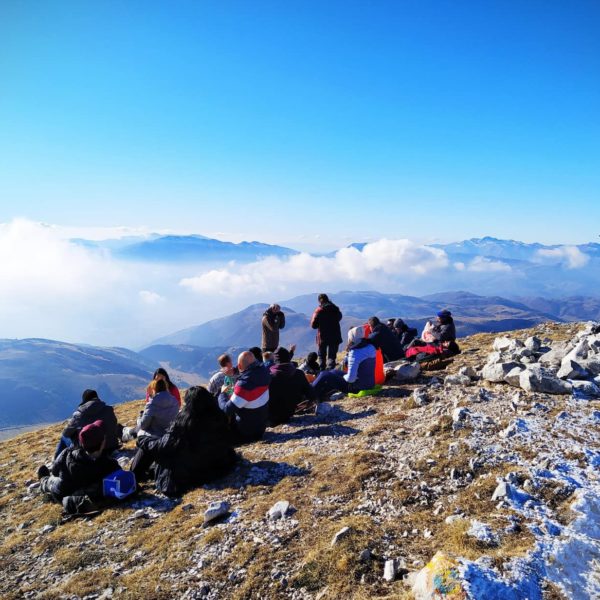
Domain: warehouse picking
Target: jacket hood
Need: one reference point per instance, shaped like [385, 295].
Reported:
[163, 399]
[283, 369]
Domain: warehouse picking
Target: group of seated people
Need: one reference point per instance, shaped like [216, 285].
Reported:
[185, 444]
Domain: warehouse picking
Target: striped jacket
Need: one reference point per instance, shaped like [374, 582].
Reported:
[249, 403]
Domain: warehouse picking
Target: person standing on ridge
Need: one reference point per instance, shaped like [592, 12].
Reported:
[326, 320]
[273, 320]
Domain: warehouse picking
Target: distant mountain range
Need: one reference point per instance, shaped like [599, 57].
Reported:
[186, 248]
[42, 380]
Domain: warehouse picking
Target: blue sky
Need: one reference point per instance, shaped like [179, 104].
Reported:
[304, 123]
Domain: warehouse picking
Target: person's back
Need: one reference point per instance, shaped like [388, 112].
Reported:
[288, 388]
[92, 409]
[382, 337]
[159, 413]
[197, 449]
[248, 404]
[361, 367]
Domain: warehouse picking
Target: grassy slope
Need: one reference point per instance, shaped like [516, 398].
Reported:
[350, 471]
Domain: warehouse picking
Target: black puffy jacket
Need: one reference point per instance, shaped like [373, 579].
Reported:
[185, 460]
[288, 388]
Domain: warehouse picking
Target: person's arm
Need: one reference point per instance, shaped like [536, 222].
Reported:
[226, 405]
[174, 391]
[314, 322]
[147, 416]
[73, 426]
[281, 320]
[157, 447]
[339, 314]
[352, 373]
[266, 323]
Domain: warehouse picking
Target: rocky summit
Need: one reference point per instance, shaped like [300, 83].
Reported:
[476, 480]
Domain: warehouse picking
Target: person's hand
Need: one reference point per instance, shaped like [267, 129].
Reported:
[293, 348]
[224, 388]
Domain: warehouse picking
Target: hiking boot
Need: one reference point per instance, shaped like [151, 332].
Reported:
[43, 471]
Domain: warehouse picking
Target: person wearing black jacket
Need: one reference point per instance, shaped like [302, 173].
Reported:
[273, 320]
[288, 389]
[79, 470]
[89, 410]
[326, 320]
[404, 333]
[382, 337]
[197, 448]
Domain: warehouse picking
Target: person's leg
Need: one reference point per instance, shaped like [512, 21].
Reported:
[63, 443]
[328, 381]
[322, 351]
[332, 355]
[140, 464]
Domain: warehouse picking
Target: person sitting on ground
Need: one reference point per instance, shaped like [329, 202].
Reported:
[267, 359]
[91, 409]
[257, 353]
[75, 477]
[161, 373]
[326, 320]
[383, 338]
[154, 421]
[311, 365]
[197, 448]
[404, 333]
[226, 375]
[248, 406]
[445, 331]
[273, 320]
[289, 389]
[361, 368]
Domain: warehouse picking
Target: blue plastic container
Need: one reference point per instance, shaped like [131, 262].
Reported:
[119, 484]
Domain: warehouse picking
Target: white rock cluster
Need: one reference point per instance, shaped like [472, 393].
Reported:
[559, 368]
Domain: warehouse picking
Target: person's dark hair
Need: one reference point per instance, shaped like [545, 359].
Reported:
[312, 357]
[323, 298]
[374, 321]
[224, 359]
[88, 396]
[257, 353]
[198, 412]
[160, 385]
[163, 372]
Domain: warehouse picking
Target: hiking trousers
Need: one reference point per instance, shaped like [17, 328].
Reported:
[327, 355]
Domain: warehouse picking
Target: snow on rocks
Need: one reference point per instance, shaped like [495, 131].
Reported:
[280, 510]
[483, 533]
[407, 371]
[216, 510]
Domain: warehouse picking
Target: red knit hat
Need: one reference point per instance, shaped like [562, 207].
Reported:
[92, 436]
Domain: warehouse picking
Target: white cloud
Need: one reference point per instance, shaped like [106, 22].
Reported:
[382, 260]
[570, 256]
[481, 264]
[150, 298]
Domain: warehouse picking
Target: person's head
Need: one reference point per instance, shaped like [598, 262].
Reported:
[267, 356]
[257, 353]
[88, 396]
[355, 335]
[198, 405]
[312, 358]
[444, 316]
[399, 324]
[225, 363]
[161, 373]
[390, 323]
[92, 438]
[323, 299]
[275, 308]
[373, 322]
[282, 355]
[245, 359]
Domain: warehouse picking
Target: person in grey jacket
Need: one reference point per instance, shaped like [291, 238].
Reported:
[273, 320]
[159, 413]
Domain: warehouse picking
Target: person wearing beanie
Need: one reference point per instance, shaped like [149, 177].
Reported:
[404, 333]
[311, 365]
[444, 330]
[326, 320]
[78, 470]
[361, 368]
[272, 321]
[91, 409]
[289, 389]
